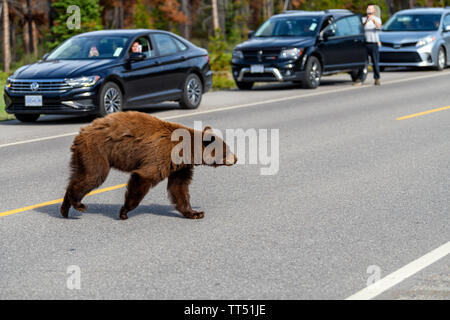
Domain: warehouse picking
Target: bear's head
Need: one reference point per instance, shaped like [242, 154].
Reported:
[215, 151]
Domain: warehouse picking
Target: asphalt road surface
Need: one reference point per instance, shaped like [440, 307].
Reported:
[359, 195]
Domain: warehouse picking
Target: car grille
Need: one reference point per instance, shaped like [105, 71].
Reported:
[259, 76]
[399, 45]
[392, 57]
[261, 55]
[39, 86]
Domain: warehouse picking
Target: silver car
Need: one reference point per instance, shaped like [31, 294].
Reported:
[416, 38]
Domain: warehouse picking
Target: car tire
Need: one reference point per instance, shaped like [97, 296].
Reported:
[27, 117]
[192, 92]
[360, 74]
[244, 85]
[313, 73]
[441, 61]
[110, 99]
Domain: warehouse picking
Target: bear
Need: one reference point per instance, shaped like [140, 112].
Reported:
[141, 144]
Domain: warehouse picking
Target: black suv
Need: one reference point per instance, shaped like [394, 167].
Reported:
[301, 46]
[102, 72]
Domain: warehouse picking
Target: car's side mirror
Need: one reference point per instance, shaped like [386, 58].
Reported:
[447, 28]
[328, 33]
[137, 56]
[45, 56]
[250, 34]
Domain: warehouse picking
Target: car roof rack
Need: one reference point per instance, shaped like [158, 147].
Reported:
[295, 11]
[337, 10]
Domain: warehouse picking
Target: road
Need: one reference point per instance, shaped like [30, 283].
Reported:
[357, 190]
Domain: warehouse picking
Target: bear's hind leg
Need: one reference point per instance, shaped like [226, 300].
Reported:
[137, 188]
[65, 206]
[84, 179]
[178, 188]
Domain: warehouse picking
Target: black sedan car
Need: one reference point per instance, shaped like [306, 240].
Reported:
[302, 46]
[102, 72]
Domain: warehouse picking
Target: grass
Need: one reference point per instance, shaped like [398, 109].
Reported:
[3, 115]
[223, 80]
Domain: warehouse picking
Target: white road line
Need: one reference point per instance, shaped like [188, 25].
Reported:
[240, 106]
[401, 274]
[38, 139]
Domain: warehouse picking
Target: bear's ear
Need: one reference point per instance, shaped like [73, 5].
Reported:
[207, 128]
[209, 139]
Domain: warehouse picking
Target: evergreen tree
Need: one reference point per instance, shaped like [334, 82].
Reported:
[141, 17]
[64, 24]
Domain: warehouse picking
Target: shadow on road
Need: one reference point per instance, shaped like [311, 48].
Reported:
[70, 119]
[112, 211]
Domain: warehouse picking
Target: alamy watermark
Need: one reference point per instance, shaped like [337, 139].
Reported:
[207, 146]
[74, 280]
[375, 275]
[74, 20]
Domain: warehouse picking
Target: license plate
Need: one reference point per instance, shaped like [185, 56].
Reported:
[33, 101]
[257, 68]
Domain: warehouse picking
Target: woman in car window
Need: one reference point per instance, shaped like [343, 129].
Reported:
[136, 47]
[93, 52]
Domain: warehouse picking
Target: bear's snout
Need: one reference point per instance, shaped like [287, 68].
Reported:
[230, 160]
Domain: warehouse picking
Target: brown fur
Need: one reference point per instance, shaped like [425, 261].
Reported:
[132, 142]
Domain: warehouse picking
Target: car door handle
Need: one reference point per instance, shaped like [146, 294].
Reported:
[183, 58]
[156, 63]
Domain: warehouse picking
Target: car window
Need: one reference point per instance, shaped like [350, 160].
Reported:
[413, 22]
[180, 44]
[355, 25]
[348, 26]
[165, 44]
[143, 45]
[447, 20]
[292, 27]
[89, 47]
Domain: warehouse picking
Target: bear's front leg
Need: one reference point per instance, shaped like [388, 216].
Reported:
[178, 188]
[137, 188]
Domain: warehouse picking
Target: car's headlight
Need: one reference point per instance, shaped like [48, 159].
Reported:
[425, 41]
[8, 82]
[237, 55]
[293, 53]
[82, 81]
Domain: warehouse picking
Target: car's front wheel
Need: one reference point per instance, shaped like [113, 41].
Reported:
[192, 92]
[441, 62]
[313, 73]
[111, 99]
[27, 117]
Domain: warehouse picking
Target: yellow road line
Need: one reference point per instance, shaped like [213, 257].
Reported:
[48, 203]
[423, 113]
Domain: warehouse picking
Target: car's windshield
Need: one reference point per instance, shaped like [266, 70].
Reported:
[292, 27]
[105, 47]
[413, 22]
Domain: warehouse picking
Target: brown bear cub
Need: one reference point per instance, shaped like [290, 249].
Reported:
[141, 144]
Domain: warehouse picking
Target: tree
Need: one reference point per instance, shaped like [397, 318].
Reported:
[141, 17]
[88, 12]
[6, 48]
[215, 14]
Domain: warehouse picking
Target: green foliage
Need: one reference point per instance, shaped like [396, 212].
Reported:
[3, 114]
[159, 19]
[90, 19]
[236, 22]
[223, 81]
[141, 17]
[220, 59]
